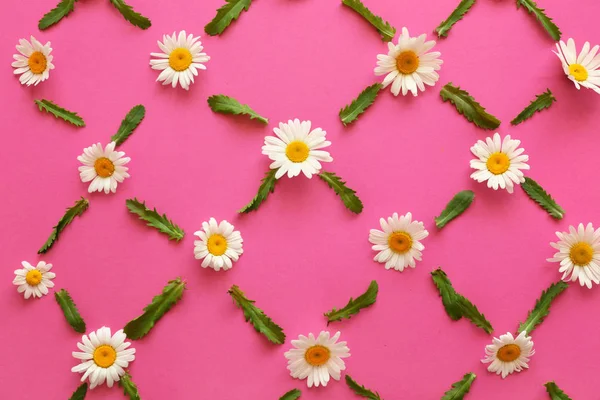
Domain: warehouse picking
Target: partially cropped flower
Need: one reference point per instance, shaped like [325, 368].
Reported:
[582, 69]
[508, 354]
[219, 245]
[104, 167]
[34, 61]
[34, 281]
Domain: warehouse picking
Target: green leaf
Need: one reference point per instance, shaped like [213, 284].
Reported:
[542, 308]
[291, 395]
[348, 196]
[128, 125]
[136, 19]
[461, 388]
[386, 31]
[78, 209]
[467, 106]
[539, 195]
[354, 306]
[129, 388]
[361, 390]
[225, 15]
[358, 106]
[228, 105]
[470, 312]
[546, 22]
[541, 102]
[260, 321]
[171, 294]
[64, 8]
[154, 219]
[80, 393]
[459, 12]
[64, 300]
[555, 392]
[458, 205]
[59, 112]
[266, 187]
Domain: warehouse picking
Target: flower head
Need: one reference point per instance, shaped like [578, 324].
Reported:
[34, 63]
[582, 69]
[34, 280]
[508, 354]
[219, 245]
[104, 167]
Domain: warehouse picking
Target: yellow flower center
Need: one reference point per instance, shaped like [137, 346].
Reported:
[297, 151]
[400, 242]
[180, 59]
[581, 254]
[509, 352]
[317, 355]
[217, 244]
[37, 62]
[578, 72]
[105, 356]
[498, 163]
[407, 62]
[104, 167]
[33, 277]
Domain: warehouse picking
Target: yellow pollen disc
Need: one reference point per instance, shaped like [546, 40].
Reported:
[104, 167]
[578, 72]
[37, 62]
[217, 245]
[498, 163]
[180, 59]
[400, 242]
[297, 151]
[407, 62]
[581, 254]
[317, 355]
[33, 277]
[105, 356]
[509, 352]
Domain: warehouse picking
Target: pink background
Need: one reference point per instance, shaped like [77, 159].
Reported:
[304, 253]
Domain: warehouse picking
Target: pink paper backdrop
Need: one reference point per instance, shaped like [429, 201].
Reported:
[304, 253]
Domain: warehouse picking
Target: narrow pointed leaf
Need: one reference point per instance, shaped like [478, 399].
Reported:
[467, 106]
[458, 205]
[80, 393]
[78, 209]
[354, 305]
[69, 309]
[225, 15]
[154, 219]
[361, 390]
[470, 312]
[541, 16]
[459, 12]
[555, 392]
[171, 294]
[358, 106]
[129, 388]
[542, 307]
[136, 19]
[64, 8]
[541, 102]
[128, 125]
[461, 388]
[348, 196]
[228, 105]
[539, 195]
[266, 187]
[386, 31]
[59, 112]
[293, 394]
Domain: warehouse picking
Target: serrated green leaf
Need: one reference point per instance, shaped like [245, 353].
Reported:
[555, 392]
[78, 209]
[459, 12]
[136, 19]
[171, 294]
[358, 106]
[348, 196]
[64, 8]
[225, 15]
[467, 106]
[470, 312]
[228, 105]
[266, 187]
[69, 309]
[361, 390]
[542, 308]
[458, 205]
[59, 112]
[129, 123]
[541, 102]
[80, 393]
[539, 14]
[354, 306]
[154, 219]
[539, 195]
[461, 388]
[261, 322]
[386, 31]
[129, 388]
[293, 394]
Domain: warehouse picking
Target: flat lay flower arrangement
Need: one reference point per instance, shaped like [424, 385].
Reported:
[243, 199]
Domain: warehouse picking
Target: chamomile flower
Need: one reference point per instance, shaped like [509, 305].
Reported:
[104, 167]
[180, 60]
[34, 63]
[219, 245]
[398, 244]
[103, 357]
[579, 254]
[317, 359]
[499, 162]
[582, 69]
[508, 354]
[296, 148]
[34, 281]
[409, 65]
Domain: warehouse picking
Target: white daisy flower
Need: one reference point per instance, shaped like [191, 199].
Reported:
[34, 280]
[317, 359]
[583, 69]
[219, 245]
[499, 162]
[296, 149]
[103, 357]
[180, 60]
[508, 354]
[105, 168]
[399, 243]
[34, 63]
[579, 254]
[408, 65]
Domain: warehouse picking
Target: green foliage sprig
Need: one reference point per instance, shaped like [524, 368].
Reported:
[542, 307]
[540, 15]
[226, 15]
[354, 305]
[467, 106]
[228, 105]
[69, 309]
[136, 19]
[458, 205]
[59, 112]
[459, 12]
[539, 195]
[386, 31]
[358, 106]
[78, 209]
[541, 102]
[131, 121]
[154, 219]
[348, 196]
[461, 388]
